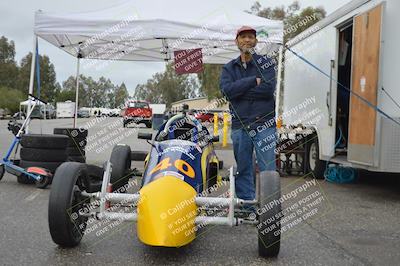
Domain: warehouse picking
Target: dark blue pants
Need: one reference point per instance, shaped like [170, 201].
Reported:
[264, 143]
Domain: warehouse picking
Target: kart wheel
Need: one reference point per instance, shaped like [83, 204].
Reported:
[43, 182]
[79, 159]
[2, 171]
[269, 229]
[75, 133]
[75, 151]
[121, 164]
[148, 124]
[66, 204]
[38, 141]
[43, 155]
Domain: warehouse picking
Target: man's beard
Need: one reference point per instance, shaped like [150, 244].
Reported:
[247, 50]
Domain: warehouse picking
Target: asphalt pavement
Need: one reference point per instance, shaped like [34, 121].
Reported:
[326, 224]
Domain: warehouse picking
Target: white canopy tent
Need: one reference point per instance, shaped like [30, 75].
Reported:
[29, 102]
[152, 30]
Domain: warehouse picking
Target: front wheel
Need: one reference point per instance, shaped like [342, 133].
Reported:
[66, 203]
[270, 212]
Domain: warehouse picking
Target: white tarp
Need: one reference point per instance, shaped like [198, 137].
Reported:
[152, 30]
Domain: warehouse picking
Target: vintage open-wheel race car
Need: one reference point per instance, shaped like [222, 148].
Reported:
[173, 200]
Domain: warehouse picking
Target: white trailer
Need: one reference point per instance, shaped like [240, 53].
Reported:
[356, 46]
[65, 109]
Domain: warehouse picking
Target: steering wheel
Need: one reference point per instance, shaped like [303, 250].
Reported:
[177, 117]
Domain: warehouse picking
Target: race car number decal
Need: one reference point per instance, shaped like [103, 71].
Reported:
[179, 164]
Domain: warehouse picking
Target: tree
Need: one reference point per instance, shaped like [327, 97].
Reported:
[167, 87]
[8, 66]
[121, 95]
[10, 99]
[291, 16]
[209, 80]
[47, 77]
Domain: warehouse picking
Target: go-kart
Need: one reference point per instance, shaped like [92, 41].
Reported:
[173, 201]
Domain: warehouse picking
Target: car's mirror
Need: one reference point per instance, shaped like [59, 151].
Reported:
[143, 135]
[215, 139]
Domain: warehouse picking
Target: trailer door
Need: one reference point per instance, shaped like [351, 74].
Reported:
[365, 75]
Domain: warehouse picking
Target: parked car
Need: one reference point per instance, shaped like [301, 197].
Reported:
[41, 110]
[83, 114]
[137, 112]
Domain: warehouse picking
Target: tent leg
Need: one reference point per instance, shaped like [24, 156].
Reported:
[279, 99]
[32, 78]
[76, 93]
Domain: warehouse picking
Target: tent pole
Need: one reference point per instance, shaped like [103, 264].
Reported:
[32, 78]
[76, 92]
[279, 82]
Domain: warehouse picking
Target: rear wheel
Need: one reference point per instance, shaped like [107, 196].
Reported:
[66, 203]
[269, 228]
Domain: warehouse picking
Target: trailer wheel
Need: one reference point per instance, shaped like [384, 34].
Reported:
[269, 228]
[66, 204]
[121, 164]
[315, 165]
[2, 171]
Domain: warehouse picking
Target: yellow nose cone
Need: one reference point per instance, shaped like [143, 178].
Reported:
[166, 213]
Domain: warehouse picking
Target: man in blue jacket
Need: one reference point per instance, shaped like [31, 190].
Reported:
[248, 82]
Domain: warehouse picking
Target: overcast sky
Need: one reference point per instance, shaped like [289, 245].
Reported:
[16, 23]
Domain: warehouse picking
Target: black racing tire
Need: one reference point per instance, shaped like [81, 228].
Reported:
[121, 166]
[79, 159]
[51, 166]
[43, 155]
[66, 223]
[39, 141]
[269, 228]
[76, 133]
[139, 156]
[78, 143]
[314, 164]
[24, 179]
[74, 151]
[148, 124]
[2, 171]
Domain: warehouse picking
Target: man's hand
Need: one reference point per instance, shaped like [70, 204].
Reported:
[258, 81]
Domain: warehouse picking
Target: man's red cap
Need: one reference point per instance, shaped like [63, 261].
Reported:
[246, 28]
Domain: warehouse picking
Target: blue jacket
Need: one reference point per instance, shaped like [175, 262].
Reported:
[250, 105]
